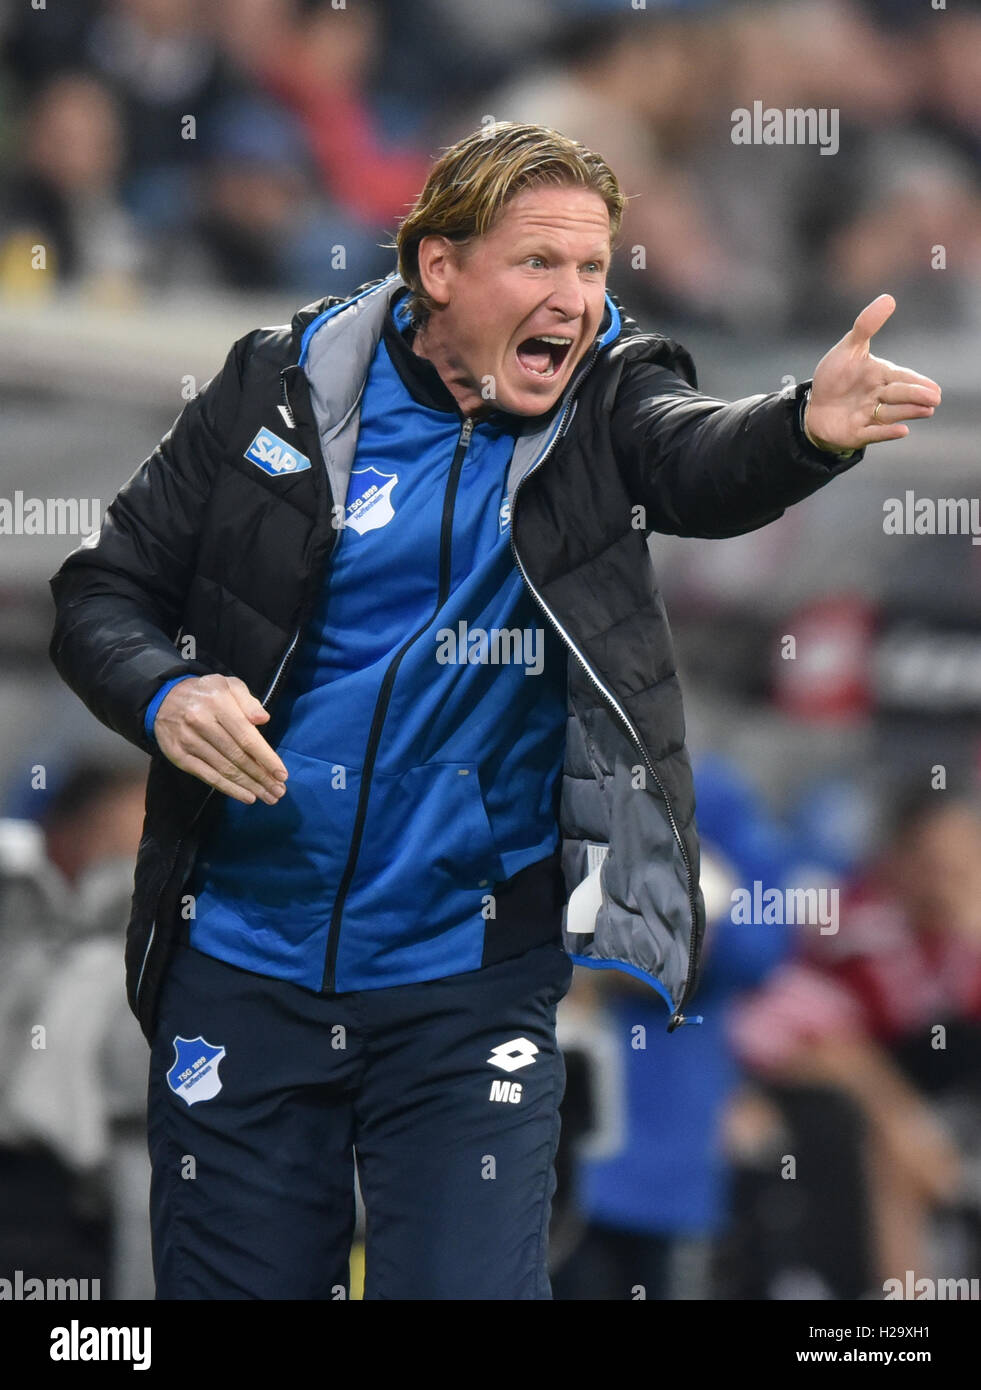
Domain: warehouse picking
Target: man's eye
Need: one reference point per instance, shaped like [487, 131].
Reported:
[593, 267]
[539, 259]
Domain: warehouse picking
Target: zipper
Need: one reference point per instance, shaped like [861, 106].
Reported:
[677, 1018]
[285, 409]
[286, 656]
[287, 412]
[381, 708]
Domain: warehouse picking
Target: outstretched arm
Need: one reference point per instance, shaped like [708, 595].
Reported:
[701, 466]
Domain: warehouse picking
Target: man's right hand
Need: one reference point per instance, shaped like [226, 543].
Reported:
[206, 726]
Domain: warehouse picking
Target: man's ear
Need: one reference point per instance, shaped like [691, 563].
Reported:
[438, 264]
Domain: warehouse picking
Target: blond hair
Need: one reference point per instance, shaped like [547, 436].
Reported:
[472, 181]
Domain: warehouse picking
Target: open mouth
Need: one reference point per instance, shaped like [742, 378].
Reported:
[543, 355]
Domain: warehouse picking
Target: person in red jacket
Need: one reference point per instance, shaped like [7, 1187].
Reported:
[888, 1010]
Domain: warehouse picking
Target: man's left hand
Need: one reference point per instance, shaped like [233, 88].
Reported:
[857, 399]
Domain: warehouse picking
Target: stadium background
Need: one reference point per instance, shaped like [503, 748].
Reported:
[193, 168]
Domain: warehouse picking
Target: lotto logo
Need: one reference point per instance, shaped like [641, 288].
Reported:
[511, 1056]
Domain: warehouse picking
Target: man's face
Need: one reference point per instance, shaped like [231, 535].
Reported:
[521, 305]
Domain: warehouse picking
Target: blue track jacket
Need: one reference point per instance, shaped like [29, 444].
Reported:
[466, 700]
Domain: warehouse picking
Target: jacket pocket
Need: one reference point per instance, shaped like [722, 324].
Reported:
[427, 850]
[279, 865]
[426, 856]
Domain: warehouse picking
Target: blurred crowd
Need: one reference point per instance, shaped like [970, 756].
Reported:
[155, 145]
[818, 1135]
[820, 1131]
[74, 1172]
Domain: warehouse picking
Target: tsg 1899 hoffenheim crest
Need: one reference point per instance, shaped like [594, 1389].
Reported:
[194, 1075]
[369, 499]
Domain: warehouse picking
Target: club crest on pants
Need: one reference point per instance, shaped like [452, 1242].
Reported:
[194, 1075]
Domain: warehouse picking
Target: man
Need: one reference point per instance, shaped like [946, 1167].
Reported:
[374, 933]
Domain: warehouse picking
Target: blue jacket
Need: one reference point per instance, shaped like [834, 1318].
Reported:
[466, 762]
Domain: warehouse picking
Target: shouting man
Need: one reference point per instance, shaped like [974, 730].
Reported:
[381, 607]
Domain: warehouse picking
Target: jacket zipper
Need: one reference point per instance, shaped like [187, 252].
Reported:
[677, 1018]
[285, 409]
[381, 707]
[287, 412]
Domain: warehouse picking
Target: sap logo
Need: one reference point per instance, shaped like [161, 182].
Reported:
[504, 518]
[509, 1091]
[274, 456]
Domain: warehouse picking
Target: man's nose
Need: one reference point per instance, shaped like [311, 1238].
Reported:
[567, 295]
